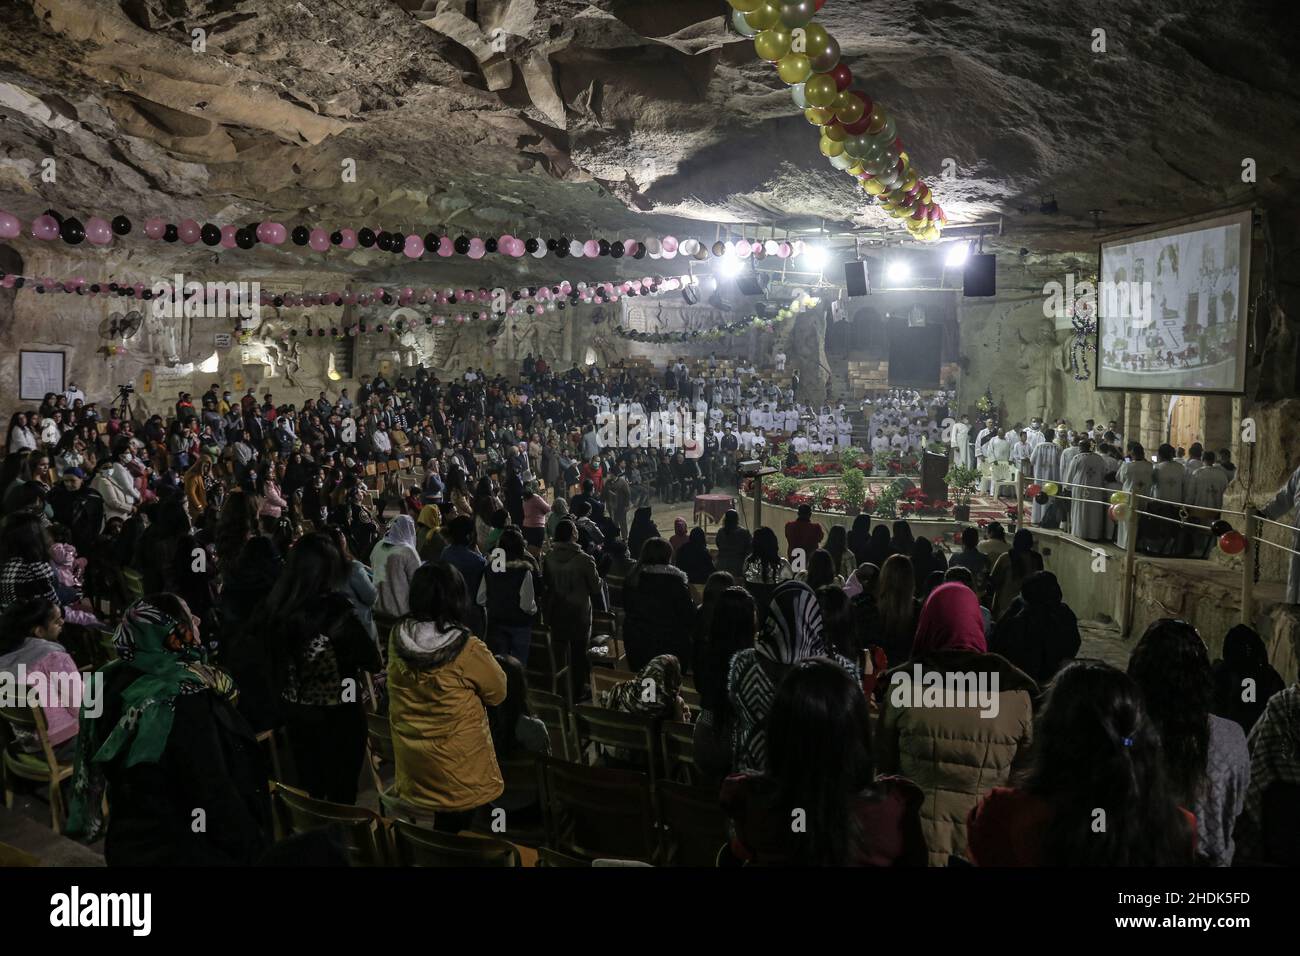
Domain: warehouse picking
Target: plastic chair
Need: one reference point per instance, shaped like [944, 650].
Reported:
[548, 664]
[610, 728]
[692, 825]
[597, 812]
[361, 830]
[678, 743]
[417, 846]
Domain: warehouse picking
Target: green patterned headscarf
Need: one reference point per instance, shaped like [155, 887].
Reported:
[167, 657]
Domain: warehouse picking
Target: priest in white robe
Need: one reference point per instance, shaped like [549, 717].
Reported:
[1045, 466]
[961, 443]
[1087, 505]
[1135, 477]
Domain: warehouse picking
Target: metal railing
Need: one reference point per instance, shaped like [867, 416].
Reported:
[1251, 530]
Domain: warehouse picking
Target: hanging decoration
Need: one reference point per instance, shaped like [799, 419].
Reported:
[53, 225]
[857, 134]
[759, 323]
[1084, 322]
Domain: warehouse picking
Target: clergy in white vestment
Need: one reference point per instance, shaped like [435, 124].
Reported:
[1135, 477]
[1170, 481]
[961, 442]
[1045, 466]
[1194, 462]
[1087, 505]
[981, 439]
[1285, 500]
[1205, 487]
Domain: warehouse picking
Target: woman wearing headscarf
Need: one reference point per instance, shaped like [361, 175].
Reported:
[1267, 832]
[393, 562]
[655, 693]
[1010, 571]
[1244, 667]
[954, 718]
[167, 739]
[693, 557]
[1040, 632]
[642, 530]
[429, 541]
[559, 511]
[791, 632]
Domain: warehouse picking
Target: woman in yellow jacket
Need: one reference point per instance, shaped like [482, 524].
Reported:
[196, 491]
[441, 679]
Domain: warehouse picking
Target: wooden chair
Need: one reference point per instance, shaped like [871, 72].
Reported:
[548, 664]
[678, 743]
[361, 830]
[692, 826]
[417, 846]
[379, 748]
[40, 767]
[614, 584]
[600, 727]
[690, 696]
[606, 678]
[597, 812]
[552, 710]
[603, 624]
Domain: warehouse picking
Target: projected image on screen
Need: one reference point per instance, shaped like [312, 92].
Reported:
[1171, 308]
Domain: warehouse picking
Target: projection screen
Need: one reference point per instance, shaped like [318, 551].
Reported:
[1172, 306]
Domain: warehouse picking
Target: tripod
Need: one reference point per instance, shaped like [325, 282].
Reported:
[124, 405]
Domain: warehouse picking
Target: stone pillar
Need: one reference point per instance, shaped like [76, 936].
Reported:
[1131, 420]
[1151, 429]
[1217, 422]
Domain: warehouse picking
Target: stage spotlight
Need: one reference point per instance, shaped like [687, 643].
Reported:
[898, 271]
[729, 267]
[958, 252]
[814, 257]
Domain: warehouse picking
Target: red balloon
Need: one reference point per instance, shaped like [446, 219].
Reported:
[1234, 542]
[819, 4]
[1034, 491]
[842, 76]
[854, 129]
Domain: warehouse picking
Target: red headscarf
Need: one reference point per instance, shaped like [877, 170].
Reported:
[950, 621]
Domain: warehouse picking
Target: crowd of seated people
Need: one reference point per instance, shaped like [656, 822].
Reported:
[262, 591]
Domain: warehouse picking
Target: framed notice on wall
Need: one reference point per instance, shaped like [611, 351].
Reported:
[40, 373]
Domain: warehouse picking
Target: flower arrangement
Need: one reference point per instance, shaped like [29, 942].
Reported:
[963, 481]
[886, 506]
[853, 489]
[915, 504]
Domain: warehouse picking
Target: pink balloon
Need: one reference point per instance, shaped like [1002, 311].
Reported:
[10, 227]
[469, 295]
[263, 231]
[155, 227]
[277, 234]
[365, 298]
[98, 231]
[445, 247]
[476, 248]
[505, 243]
[227, 236]
[189, 231]
[783, 251]
[349, 298]
[7, 282]
[319, 240]
[591, 248]
[413, 248]
[669, 246]
[349, 238]
[45, 227]
[630, 247]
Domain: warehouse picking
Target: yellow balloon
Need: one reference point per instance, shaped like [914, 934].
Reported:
[744, 6]
[772, 44]
[856, 169]
[793, 67]
[848, 108]
[909, 180]
[815, 36]
[764, 16]
[831, 148]
[926, 196]
[907, 160]
[836, 132]
[874, 186]
[1051, 489]
[819, 116]
[820, 90]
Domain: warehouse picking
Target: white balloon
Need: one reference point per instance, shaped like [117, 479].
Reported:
[742, 26]
[796, 91]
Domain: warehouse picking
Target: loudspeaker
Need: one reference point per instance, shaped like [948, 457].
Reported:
[856, 282]
[979, 278]
[752, 283]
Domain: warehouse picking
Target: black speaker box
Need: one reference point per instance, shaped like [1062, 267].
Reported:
[856, 282]
[980, 278]
[751, 283]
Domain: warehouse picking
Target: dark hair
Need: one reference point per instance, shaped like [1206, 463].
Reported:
[1137, 451]
[290, 614]
[819, 757]
[504, 717]
[1171, 665]
[461, 530]
[895, 597]
[438, 595]
[838, 624]
[731, 519]
[1208, 457]
[656, 551]
[1165, 452]
[837, 543]
[1095, 748]
[970, 538]
[821, 569]
[512, 543]
[766, 549]
[732, 628]
[996, 531]
[961, 574]
[805, 511]
[20, 619]
[24, 538]
[565, 531]
[903, 539]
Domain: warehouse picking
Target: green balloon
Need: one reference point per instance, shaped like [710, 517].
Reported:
[858, 146]
[820, 89]
[796, 94]
[815, 38]
[765, 16]
[773, 44]
[842, 161]
[824, 58]
[795, 13]
[742, 25]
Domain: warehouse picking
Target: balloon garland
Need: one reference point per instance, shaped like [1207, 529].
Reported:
[97, 231]
[1084, 324]
[752, 322]
[857, 134]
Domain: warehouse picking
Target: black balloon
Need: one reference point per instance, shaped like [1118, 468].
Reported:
[490, 244]
[301, 235]
[381, 240]
[1220, 528]
[461, 245]
[336, 237]
[121, 225]
[640, 251]
[210, 235]
[531, 245]
[366, 236]
[244, 238]
[430, 242]
[171, 233]
[551, 245]
[616, 249]
[604, 246]
[451, 299]
[277, 301]
[72, 231]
